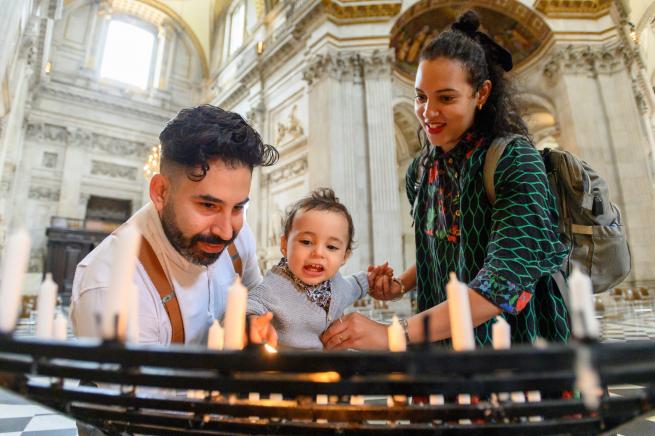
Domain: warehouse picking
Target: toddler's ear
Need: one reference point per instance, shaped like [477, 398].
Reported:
[346, 257]
[283, 245]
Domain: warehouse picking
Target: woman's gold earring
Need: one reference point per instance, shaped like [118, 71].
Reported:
[480, 106]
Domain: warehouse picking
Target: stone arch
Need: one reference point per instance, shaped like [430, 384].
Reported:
[517, 27]
[541, 117]
[152, 11]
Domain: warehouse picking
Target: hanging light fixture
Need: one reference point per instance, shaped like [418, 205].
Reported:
[152, 164]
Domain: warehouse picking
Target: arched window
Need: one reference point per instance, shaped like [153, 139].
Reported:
[128, 54]
[237, 27]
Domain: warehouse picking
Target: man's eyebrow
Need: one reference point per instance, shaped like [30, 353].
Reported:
[212, 199]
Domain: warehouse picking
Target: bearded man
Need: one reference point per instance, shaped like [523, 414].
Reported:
[195, 238]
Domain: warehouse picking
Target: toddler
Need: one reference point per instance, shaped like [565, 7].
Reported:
[305, 291]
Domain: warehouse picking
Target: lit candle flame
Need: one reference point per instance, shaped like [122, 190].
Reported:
[269, 348]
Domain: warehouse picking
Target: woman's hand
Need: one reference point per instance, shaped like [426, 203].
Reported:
[261, 329]
[381, 284]
[355, 331]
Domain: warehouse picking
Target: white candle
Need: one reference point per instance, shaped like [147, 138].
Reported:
[215, 338]
[125, 252]
[459, 309]
[276, 397]
[501, 334]
[583, 320]
[464, 399]
[14, 266]
[321, 399]
[60, 327]
[534, 397]
[396, 336]
[235, 315]
[45, 307]
[437, 400]
[357, 400]
[133, 315]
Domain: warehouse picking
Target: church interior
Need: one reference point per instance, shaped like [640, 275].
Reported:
[86, 87]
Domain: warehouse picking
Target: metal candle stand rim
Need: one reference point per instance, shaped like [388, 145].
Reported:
[300, 376]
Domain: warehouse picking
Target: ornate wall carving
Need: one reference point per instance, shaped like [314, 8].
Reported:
[100, 168]
[572, 8]
[290, 129]
[337, 65]
[45, 193]
[589, 60]
[49, 160]
[290, 170]
[377, 64]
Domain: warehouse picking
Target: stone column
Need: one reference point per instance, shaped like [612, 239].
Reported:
[69, 196]
[382, 160]
[337, 140]
[600, 122]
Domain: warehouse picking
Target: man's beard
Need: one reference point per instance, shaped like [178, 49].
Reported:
[187, 246]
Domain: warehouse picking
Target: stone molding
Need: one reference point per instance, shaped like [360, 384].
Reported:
[46, 193]
[87, 140]
[348, 66]
[101, 168]
[288, 171]
[49, 160]
[572, 8]
[360, 10]
[589, 60]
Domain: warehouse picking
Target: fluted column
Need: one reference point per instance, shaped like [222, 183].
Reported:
[382, 160]
[599, 120]
[337, 139]
[69, 197]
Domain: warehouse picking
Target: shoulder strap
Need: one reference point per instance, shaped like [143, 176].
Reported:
[166, 292]
[494, 152]
[236, 258]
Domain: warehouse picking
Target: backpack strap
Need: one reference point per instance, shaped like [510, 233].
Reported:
[494, 152]
[236, 258]
[164, 288]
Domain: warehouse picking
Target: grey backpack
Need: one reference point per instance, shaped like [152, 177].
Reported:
[589, 223]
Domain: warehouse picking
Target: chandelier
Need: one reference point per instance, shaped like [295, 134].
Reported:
[152, 164]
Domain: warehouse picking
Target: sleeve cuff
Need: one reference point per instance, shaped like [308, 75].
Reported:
[503, 293]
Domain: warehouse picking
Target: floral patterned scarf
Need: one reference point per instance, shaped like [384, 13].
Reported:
[443, 184]
[320, 294]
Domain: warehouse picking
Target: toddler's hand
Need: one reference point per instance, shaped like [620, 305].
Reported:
[377, 271]
[261, 329]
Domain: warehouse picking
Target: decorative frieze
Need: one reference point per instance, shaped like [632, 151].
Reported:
[362, 10]
[589, 60]
[86, 139]
[289, 171]
[49, 160]
[572, 8]
[340, 66]
[45, 193]
[100, 168]
[290, 129]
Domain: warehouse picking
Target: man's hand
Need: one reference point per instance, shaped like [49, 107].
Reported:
[355, 331]
[261, 329]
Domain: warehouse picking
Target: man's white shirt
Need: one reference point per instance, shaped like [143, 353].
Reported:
[201, 291]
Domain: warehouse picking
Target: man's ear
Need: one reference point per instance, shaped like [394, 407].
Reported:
[159, 189]
[283, 245]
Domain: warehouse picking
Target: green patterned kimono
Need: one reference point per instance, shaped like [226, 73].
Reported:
[505, 252]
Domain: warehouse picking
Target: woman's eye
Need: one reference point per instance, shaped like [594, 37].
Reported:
[420, 98]
[447, 98]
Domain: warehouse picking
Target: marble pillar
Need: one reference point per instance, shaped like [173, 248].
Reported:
[600, 122]
[69, 196]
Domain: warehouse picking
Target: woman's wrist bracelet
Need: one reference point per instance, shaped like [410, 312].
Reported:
[401, 284]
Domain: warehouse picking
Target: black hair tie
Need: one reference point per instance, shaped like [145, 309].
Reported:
[495, 51]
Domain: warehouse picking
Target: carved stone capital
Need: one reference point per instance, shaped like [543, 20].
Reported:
[46, 193]
[377, 64]
[588, 60]
[288, 171]
[337, 65]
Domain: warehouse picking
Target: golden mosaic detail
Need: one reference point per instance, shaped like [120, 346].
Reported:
[350, 10]
[572, 8]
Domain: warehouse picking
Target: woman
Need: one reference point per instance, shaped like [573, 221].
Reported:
[504, 252]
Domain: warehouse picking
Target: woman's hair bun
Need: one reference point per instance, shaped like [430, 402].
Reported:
[468, 23]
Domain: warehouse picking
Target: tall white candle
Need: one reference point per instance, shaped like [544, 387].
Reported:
[45, 307]
[501, 334]
[235, 315]
[125, 252]
[133, 315]
[396, 336]
[459, 309]
[60, 326]
[215, 339]
[583, 320]
[14, 266]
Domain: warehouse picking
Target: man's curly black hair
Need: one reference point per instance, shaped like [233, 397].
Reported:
[199, 134]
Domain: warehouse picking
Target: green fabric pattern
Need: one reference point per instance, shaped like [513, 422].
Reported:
[505, 252]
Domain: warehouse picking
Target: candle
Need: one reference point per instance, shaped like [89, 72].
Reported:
[60, 327]
[356, 400]
[583, 320]
[235, 315]
[133, 315]
[215, 338]
[276, 397]
[501, 334]
[125, 251]
[534, 397]
[14, 266]
[45, 307]
[396, 336]
[321, 399]
[459, 309]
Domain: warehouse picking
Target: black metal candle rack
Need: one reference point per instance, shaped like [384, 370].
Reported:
[142, 389]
